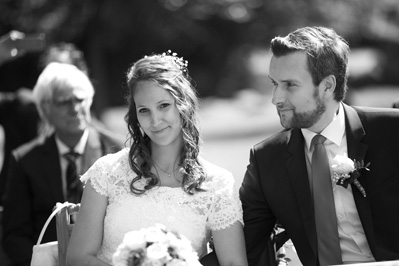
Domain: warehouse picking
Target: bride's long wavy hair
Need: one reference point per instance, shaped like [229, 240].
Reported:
[169, 72]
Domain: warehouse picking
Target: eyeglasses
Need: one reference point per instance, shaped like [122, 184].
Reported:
[66, 102]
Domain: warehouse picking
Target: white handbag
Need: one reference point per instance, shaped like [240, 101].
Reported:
[46, 254]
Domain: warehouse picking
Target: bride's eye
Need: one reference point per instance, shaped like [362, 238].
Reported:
[143, 110]
[164, 105]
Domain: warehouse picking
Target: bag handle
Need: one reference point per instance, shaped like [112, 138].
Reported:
[57, 208]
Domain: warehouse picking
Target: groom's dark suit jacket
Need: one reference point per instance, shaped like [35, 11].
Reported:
[276, 186]
[35, 186]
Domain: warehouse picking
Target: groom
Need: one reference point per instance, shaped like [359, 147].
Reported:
[289, 179]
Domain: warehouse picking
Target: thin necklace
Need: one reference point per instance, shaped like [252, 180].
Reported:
[169, 174]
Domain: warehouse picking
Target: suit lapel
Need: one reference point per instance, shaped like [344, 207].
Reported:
[357, 150]
[354, 134]
[52, 168]
[298, 174]
[93, 150]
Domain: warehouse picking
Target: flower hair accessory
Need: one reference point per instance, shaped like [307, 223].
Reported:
[182, 64]
[345, 172]
[155, 246]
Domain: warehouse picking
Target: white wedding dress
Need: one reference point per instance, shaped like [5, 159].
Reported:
[191, 215]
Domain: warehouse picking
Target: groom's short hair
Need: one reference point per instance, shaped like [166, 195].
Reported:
[327, 54]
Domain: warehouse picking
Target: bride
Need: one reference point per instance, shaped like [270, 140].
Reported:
[161, 178]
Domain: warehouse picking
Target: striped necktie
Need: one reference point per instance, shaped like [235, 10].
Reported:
[74, 185]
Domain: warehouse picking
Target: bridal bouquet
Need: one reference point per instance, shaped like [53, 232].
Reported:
[345, 172]
[155, 246]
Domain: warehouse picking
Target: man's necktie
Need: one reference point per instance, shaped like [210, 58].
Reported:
[74, 186]
[329, 250]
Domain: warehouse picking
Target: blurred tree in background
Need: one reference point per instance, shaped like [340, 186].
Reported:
[217, 37]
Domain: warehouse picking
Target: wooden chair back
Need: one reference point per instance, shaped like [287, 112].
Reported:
[65, 221]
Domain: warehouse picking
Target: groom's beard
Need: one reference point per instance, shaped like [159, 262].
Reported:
[308, 118]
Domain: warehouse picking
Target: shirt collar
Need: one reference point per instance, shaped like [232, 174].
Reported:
[333, 132]
[79, 148]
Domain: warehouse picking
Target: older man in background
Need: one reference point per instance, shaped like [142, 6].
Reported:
[46, 170]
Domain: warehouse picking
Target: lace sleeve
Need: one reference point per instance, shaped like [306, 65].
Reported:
[226, 208]
[98, 176]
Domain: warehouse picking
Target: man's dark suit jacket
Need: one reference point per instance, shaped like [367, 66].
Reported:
[35, 186]
[276, 186]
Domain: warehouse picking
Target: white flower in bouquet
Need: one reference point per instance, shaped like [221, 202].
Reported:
[134, 240]
[155, 246]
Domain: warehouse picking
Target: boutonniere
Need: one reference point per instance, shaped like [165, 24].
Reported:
[345, 172]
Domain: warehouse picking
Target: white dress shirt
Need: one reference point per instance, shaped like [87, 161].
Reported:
[353, 242]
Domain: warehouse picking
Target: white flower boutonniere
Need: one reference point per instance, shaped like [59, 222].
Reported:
[345, 172]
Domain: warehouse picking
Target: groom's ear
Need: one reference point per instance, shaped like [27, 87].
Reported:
[328, 85]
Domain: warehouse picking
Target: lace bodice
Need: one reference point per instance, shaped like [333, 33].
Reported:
[194, 216]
